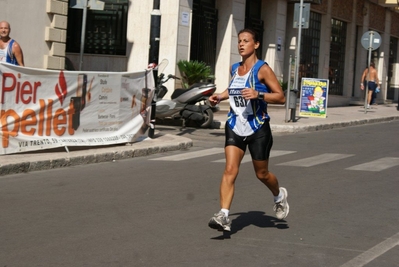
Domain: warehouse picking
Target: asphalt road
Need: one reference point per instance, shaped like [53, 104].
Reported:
[153, 211]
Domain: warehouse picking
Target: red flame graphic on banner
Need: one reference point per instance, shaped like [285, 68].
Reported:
[61, 88]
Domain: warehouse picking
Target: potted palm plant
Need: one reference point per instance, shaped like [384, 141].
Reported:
[193, 72]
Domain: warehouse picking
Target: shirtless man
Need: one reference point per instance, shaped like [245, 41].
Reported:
[10, 51]
[373, 82]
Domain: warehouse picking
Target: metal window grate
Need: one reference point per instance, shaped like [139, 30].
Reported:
[337, 57]
[253, 21]
[204, 32]
[310, 48]
[105, 29]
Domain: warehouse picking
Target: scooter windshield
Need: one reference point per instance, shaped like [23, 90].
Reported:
[162, 65]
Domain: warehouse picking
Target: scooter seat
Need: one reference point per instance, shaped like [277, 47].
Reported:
[202, 85]
[177, 92]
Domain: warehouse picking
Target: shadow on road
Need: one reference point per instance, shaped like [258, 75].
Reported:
[256, 218]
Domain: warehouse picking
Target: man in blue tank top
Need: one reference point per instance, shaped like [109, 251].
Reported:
[253, 85]
[10, 50]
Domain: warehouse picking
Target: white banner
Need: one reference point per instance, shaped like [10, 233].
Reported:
[41, 109]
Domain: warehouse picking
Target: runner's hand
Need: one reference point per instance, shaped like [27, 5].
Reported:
[249, 93]
[214, 100]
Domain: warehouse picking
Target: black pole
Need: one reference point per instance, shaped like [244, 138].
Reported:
[397, 107]
[155, 34]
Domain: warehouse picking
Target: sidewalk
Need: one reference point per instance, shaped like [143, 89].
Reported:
[336, 117]
[57, 158]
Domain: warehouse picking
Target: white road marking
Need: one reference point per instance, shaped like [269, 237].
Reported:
[277, 153]
[316, 160]
[191, 155]
[374, 252]
[273, 153]
[376, 165]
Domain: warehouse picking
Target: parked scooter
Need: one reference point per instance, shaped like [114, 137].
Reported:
[186, 104]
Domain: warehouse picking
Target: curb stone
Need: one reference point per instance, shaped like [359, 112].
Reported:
[161, 143]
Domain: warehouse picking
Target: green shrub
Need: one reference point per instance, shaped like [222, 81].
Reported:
[193, 72]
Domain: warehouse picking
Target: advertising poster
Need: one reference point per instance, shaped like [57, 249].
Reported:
[41, 109]
[313, 100]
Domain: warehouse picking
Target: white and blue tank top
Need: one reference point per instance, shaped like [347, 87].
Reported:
[6, 54]
[246, 116]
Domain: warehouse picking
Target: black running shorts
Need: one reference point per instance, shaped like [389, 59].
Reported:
[259, 144]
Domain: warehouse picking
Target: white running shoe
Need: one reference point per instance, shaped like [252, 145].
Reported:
[282, 208]
[220, 222]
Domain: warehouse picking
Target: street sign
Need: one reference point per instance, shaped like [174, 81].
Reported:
[371, 40]
[305, 16]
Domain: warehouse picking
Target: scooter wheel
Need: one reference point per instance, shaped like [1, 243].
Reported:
[208, 119]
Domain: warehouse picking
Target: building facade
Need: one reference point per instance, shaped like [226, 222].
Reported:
[118, 37]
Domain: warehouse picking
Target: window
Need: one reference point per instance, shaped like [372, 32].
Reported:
[310, 48]
[105, 29]
[337, 57]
